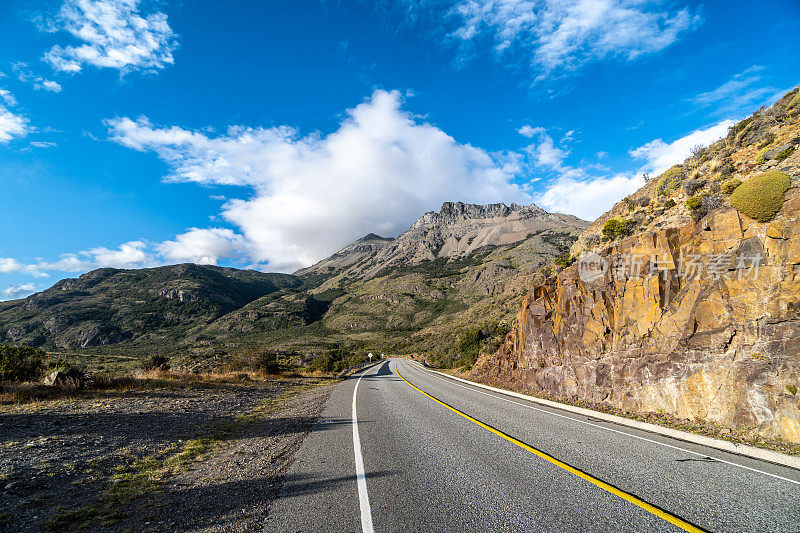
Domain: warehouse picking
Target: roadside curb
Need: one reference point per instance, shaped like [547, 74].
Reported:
[730, 447]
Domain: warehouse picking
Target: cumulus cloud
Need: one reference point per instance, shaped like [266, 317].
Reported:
[588, 198]
[9, 264]
[313, 194]
[558, 36]
[111, 34]
[204, 246]
[659, 155]
[11, 124]
[13, 292]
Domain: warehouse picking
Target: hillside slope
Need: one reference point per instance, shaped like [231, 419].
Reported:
[461, 268]
[681, 301]
[153, 305]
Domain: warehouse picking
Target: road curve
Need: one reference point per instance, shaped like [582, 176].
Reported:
[439, 455]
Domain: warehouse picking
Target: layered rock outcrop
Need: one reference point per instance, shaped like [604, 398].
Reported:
[696, 318]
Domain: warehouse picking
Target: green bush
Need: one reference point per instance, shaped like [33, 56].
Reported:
[21, 363]
[670, 180]
[266, 362]
[154, 362]
[760, 156]
[473, 341]
[795, 100]
[783, 154]
[616, 227]
[729, 186]
[564, 260]
[739, 127]
[761, 197]
[694, 203]
[669, 203]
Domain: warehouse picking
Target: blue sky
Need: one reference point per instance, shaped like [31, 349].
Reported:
[268, 135]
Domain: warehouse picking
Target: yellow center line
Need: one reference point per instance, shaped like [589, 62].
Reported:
[650, 508]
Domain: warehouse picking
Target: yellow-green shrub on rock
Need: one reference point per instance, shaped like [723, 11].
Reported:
[795, 100]
[670, 180]
[761, 197]
[731, 185]
[760, 156]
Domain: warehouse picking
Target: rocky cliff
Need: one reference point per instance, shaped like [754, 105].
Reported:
[678, 302]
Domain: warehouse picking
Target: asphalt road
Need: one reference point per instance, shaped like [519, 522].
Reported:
[504, 464]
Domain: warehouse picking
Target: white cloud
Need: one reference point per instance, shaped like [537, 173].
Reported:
[742, 91]
[112, 34]
[25, 75]
[13, 292]
[588, 198]
[314, 194]
[583, 193]
[557, 36]
[529, 131]
[659, 155]
[11, 124]
[7, 97]
[204, 246]
[9, 264]
[47, 85]
[42, 144]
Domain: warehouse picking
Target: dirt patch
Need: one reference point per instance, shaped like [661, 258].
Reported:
[178, 456]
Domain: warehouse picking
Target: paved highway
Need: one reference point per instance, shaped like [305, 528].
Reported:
[400, 448]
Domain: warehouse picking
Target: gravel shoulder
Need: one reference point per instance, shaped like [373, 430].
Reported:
[173, 456]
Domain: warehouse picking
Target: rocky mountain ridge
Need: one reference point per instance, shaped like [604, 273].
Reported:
[457, 230]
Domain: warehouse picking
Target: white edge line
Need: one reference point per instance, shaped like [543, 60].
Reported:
[586, 412]
[361, 477]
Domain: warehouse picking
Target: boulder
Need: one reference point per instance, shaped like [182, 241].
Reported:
[72, 377]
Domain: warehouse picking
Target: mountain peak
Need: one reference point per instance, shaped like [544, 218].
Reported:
[373, 237]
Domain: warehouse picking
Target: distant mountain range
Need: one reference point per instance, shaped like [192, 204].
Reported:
[465, 266]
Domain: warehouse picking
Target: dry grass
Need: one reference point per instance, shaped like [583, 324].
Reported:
[17, 393]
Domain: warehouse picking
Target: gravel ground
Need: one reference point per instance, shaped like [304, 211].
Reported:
[179, 456]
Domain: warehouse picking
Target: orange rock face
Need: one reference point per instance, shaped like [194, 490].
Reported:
[700, 321]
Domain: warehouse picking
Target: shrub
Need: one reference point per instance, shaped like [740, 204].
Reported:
[616, 227]
[792, 389]
[266, 362]
[795, 100]
[761, 197]
[670, 180]
[644, 202]
[669, 203]
[760, 156]
[694, 203]
[736, 129]
[21, 363]
[694, 185]
[783, 154]
[729, 186]
[564, 260]
[154, 362]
